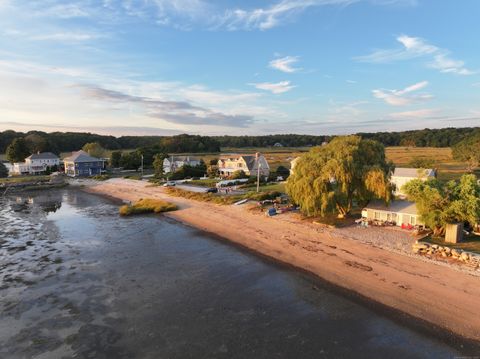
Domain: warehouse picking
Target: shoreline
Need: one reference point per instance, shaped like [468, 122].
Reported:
[430, 297]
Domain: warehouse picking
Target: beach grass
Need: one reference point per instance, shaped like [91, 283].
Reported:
[146, 205]
[25, 179]
[221, 199]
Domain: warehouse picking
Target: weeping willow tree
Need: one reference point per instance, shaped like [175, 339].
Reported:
[331, 178]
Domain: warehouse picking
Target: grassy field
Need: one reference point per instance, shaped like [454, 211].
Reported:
[442, 159]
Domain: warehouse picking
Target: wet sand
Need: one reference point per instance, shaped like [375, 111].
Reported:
[440, 296]
[79, 281]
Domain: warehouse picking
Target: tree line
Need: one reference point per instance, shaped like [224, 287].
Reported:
[71, 141]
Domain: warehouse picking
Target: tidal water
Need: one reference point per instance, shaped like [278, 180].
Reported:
[79, 281]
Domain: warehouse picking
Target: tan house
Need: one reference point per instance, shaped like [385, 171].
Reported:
[402, 213]
[250, 164]
[402, 176]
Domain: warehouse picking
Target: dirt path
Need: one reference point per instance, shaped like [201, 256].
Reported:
[437, 294]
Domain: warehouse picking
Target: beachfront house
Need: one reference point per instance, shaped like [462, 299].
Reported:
[402, 176]
[250, 164]
[36, 164]
[173, 163]
[80, 163]
[400, 213]
[39, 162]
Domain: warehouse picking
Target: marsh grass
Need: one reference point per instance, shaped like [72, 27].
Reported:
[221, 199]
[147, 206]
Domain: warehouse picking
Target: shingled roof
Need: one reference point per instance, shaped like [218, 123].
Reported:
[81, 156]
[414, 172]
[398, 206]
[43, 156]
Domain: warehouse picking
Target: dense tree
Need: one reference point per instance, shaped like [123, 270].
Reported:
[115, 158]
[282, 171]
[72, 141]
[3, 170]
[329, 179]
[441, 203]
[131, 160]
[158, 163]
[17, 151]
[238, 175]
[36, 142]
[94, 149]
[468, 151]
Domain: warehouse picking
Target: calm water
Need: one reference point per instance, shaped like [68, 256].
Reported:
[78, 281]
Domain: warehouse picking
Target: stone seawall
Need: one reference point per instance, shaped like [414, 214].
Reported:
[458, 256]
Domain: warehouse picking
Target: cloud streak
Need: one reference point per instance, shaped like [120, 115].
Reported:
[285, 64]
[275, 88]
[416, 47]
[177, 112]
[403, 97]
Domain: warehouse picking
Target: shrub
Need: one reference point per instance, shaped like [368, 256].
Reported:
[101, 177]
[147, 206]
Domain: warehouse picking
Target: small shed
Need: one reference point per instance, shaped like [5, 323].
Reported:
[454, 233]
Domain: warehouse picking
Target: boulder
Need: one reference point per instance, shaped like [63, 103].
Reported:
[464, 256]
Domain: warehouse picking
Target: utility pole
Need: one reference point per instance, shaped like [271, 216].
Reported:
[258, 173]
[142, 166]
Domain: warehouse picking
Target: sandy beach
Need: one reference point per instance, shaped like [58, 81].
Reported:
[437, 294]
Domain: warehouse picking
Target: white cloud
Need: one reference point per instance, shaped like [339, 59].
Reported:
[403, 97]
[67, 36]
[416, 47]
[285, 64]
[283, 11]
[351, 82]
[275, 88]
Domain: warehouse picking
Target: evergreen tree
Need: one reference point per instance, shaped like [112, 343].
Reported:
[17, 151]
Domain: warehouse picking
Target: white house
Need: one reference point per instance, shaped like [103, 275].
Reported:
[36, 163]
[402, 213]
[401, 176]
[173, 163]
[250, 164]
[39, 162]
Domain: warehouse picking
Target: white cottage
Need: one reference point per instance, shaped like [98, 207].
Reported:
[401, 213]
[402, 176]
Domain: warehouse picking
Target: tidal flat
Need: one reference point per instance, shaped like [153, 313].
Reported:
[78, 280]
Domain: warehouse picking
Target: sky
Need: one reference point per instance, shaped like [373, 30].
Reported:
[159, 67]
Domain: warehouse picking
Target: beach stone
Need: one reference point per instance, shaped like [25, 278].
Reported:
[447, 250]
[455, 253]
[435, 246]
[464, 256]
[444, 254]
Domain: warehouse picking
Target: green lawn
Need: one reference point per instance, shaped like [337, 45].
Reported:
[274, 187]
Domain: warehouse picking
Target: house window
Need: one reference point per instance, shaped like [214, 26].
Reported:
[377, 215]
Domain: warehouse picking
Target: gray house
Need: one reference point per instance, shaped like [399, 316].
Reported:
[80, 163]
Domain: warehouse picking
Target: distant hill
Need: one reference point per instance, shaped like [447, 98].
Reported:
[72, 141]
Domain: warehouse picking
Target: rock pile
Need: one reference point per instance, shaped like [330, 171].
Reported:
[469, 259]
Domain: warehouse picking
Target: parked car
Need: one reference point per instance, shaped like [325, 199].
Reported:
[169, 184]
[212, 190]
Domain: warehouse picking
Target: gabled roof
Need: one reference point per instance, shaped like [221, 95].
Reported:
[249, 159]
[414, 172]
[81, 156]
[398, 206]
[43, 156]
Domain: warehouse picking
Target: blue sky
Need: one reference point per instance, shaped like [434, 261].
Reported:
[239, 67]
